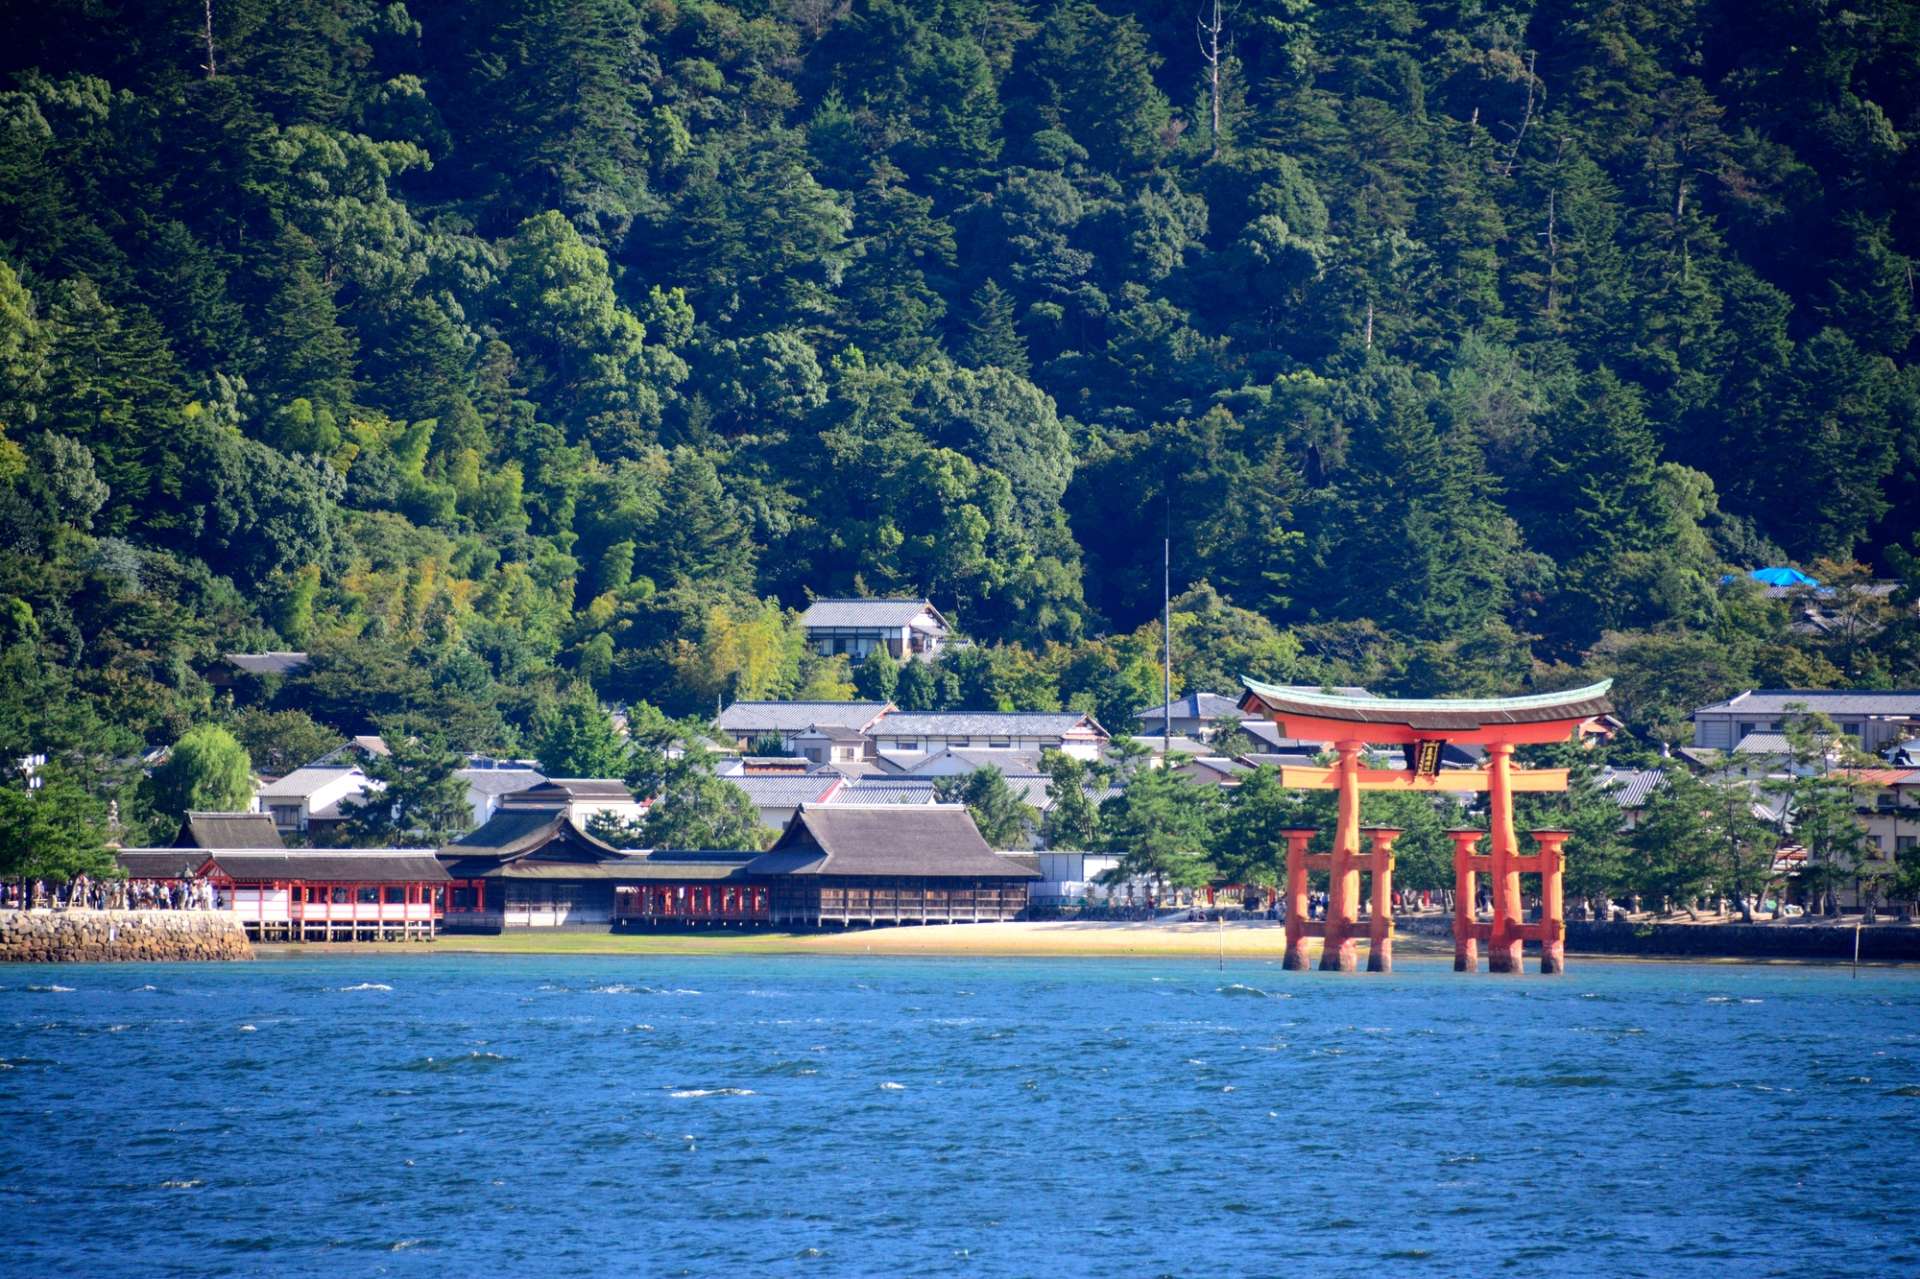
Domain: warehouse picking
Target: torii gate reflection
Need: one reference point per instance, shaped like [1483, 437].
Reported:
[1423, 727]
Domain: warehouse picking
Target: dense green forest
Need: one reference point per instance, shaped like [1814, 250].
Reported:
[506, 355]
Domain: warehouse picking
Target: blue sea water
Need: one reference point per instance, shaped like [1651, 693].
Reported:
[464, 1115]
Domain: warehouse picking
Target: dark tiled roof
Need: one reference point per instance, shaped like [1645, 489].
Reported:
[835, 733]
[371, 865]
[1775, 701]
[745, 718]
[160, 863]
[499, 781]
[228, 830]
[984, 724]
[784, 790]
[662, 864]
[515, 832]
[277, 662]
[920, 840]
[1633, 787]
[566, 790]
[885, 790]
[1202, 706]
[865, 613]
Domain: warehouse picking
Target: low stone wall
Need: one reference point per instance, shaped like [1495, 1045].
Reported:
[100, 936]
[1879, 944]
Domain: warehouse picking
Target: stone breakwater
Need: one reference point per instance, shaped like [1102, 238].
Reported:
[1879, 943]
[107, 936]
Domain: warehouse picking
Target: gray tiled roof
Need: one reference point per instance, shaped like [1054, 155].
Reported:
[566, 790]
[863, 613]
[1177, 745]
[1204, 706]
[774, 790]
[160, 863]
[228, 830]
[1006, 761]
[983, 724]
[277, 662]
[1774, 701]
[1764, 744]
[1631, 788]
[302, 782]
[367, 865]
[885, 790]
[792, 717]
[499, 781]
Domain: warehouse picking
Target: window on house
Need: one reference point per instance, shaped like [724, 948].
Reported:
[285, 816]
[1000, 743]
[1903, 843]
[960, 743]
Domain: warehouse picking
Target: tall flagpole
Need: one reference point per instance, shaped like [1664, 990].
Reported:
[1166, 636]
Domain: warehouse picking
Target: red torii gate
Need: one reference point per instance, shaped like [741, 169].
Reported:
[1423, 727]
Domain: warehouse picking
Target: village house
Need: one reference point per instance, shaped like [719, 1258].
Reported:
[1889, 808]
[833, 744]
[906, 628]
[746, 723]
[489, 786]
[313, 799]
[777, 796]
[926, 732]
[1875, 720]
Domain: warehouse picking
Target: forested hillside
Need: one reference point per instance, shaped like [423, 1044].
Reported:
[503, 353]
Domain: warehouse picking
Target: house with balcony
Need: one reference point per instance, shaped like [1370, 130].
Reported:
[906, 628]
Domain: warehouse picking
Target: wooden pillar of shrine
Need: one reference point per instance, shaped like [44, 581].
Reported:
[1297, 841]
[1504, 944]
[1553, 910]
[1380, 922]
[1343, 889]
[1466, 940]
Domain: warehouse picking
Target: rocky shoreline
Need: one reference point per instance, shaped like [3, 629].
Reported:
[120, 936]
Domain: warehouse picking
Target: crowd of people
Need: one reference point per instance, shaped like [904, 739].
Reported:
[85, 892]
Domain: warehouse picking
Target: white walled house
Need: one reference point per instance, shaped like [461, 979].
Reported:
[486, 787]
[747, 722]
[312, 797]
[1875, 720]
[907, 628]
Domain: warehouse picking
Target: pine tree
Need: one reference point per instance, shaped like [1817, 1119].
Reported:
[991, 339]
[308, 354]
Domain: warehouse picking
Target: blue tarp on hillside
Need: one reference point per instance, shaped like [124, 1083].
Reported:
[1782, 577]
